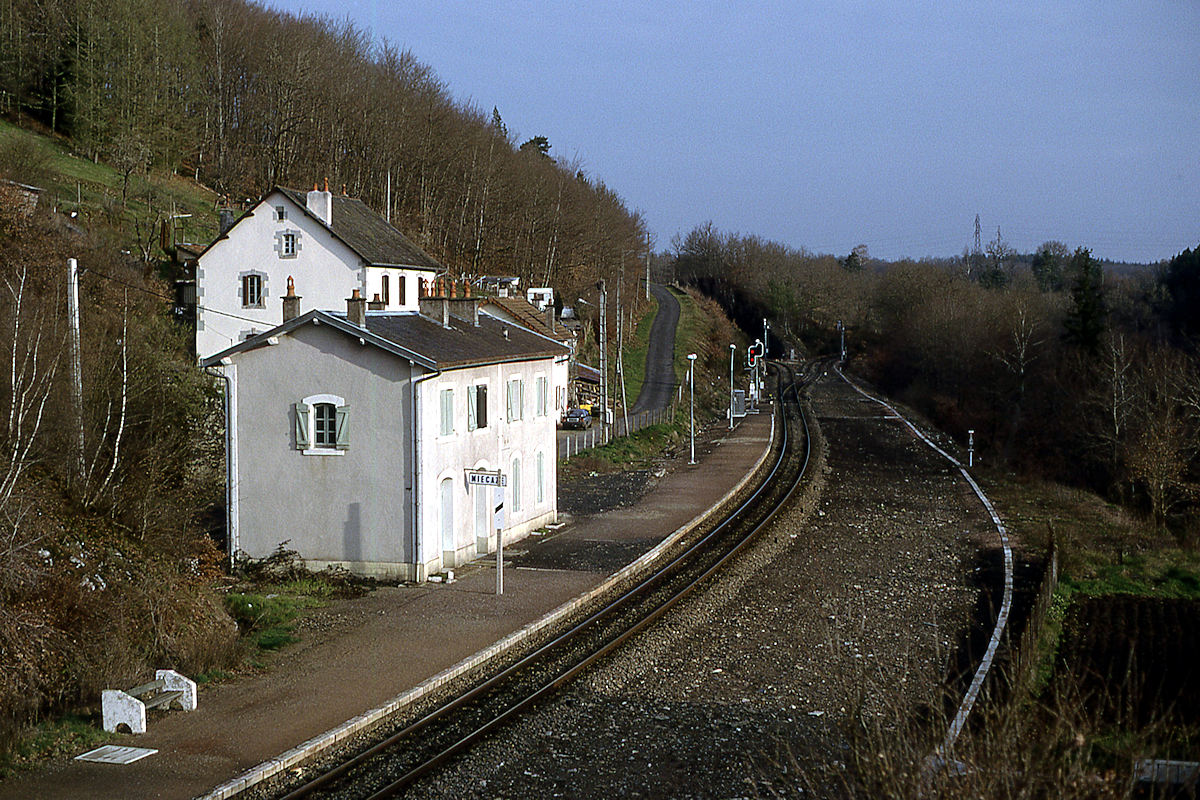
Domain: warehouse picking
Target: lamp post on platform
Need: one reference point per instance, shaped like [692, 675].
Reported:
[692, 400]
[732, 349]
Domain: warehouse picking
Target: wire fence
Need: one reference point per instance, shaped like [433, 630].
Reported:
[599, 435]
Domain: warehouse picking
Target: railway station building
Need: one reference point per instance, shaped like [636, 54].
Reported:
[367, 437]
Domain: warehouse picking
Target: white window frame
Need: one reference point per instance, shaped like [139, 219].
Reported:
[244, 281]
[282, 238]
[473, 406]
[515, 395]
[543, 395]
[516, 484]
[446, 411]
[305, 423]
[540, 461]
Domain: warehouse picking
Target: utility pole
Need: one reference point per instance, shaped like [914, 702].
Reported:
[977, 250]
[692, 403]
[647, 265]
[603, 357]
[621, 358]
[76, 365]
[732, 350]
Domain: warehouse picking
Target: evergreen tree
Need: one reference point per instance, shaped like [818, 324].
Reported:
[1085, 321]
[1047, 266]
[1181, 284]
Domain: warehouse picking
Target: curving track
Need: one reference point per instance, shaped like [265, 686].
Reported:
[985, 665]
[387, 768]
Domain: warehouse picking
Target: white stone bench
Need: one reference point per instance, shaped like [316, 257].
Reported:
[129, 707]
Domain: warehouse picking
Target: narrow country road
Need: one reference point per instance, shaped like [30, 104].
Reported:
[660, 357]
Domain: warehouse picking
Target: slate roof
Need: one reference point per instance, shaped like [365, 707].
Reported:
[462, 344]
[420, 339]
[367, 233]
[525, 314]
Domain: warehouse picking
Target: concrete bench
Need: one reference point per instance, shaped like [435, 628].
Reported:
[129, 707]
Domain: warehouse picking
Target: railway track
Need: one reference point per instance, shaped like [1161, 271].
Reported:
[392, 765]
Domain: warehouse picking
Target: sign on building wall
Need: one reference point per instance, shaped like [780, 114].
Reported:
[485, 477]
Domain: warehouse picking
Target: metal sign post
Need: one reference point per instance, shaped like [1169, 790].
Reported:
[499, 553]
[498, 480]
[970, 448]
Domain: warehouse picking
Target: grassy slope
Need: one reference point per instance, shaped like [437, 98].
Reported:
[93, 189]
[1104, 549]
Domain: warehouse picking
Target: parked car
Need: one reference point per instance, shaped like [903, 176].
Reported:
[577, 418]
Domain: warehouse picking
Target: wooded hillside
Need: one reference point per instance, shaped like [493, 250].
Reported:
[1063, 369]
[242, 98]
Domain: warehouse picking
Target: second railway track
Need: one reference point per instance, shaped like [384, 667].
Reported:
[399, 758]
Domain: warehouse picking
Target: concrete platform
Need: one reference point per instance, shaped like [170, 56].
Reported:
[372, 655]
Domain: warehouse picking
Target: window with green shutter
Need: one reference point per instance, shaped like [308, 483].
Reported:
[477, 407]
[321, 424]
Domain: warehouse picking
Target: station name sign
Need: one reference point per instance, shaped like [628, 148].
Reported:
[484, 477]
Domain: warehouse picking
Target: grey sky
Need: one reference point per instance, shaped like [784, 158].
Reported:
[827, 124]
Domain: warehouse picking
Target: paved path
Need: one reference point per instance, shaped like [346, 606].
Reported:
[660, 357]
[357, 656]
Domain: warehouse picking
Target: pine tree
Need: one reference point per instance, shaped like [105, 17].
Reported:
[1085, 321]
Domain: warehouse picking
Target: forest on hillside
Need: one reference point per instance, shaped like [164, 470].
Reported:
[111, 471]
[1064, 370]
[242, 98]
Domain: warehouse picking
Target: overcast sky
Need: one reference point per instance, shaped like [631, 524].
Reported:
[828, 124]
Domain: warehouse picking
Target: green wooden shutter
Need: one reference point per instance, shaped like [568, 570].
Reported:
[472, 423]
[301, 426]
[342, 428]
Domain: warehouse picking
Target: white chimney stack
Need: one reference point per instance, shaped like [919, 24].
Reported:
[320, 203]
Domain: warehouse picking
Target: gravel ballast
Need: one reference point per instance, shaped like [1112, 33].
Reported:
[849, 603]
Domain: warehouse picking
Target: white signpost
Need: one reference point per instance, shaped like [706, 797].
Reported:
[497, 479]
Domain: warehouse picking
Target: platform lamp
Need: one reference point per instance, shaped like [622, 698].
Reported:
[692, 401]
[732, 349]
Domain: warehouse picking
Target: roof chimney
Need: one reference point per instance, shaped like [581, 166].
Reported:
[376, 303]
[227, 218]
[356, 309]
[291, 302]
[550, 318]
[320, 204]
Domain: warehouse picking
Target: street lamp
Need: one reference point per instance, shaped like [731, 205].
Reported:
[732, 348]
[692, 398]
[842, 332]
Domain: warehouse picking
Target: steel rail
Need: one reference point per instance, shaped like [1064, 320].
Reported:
[985, 664]
[626, 599]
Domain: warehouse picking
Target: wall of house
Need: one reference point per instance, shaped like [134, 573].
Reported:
[351, 508]
[411, 277]
[325, 273]
[446, 457]
[561, 375]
